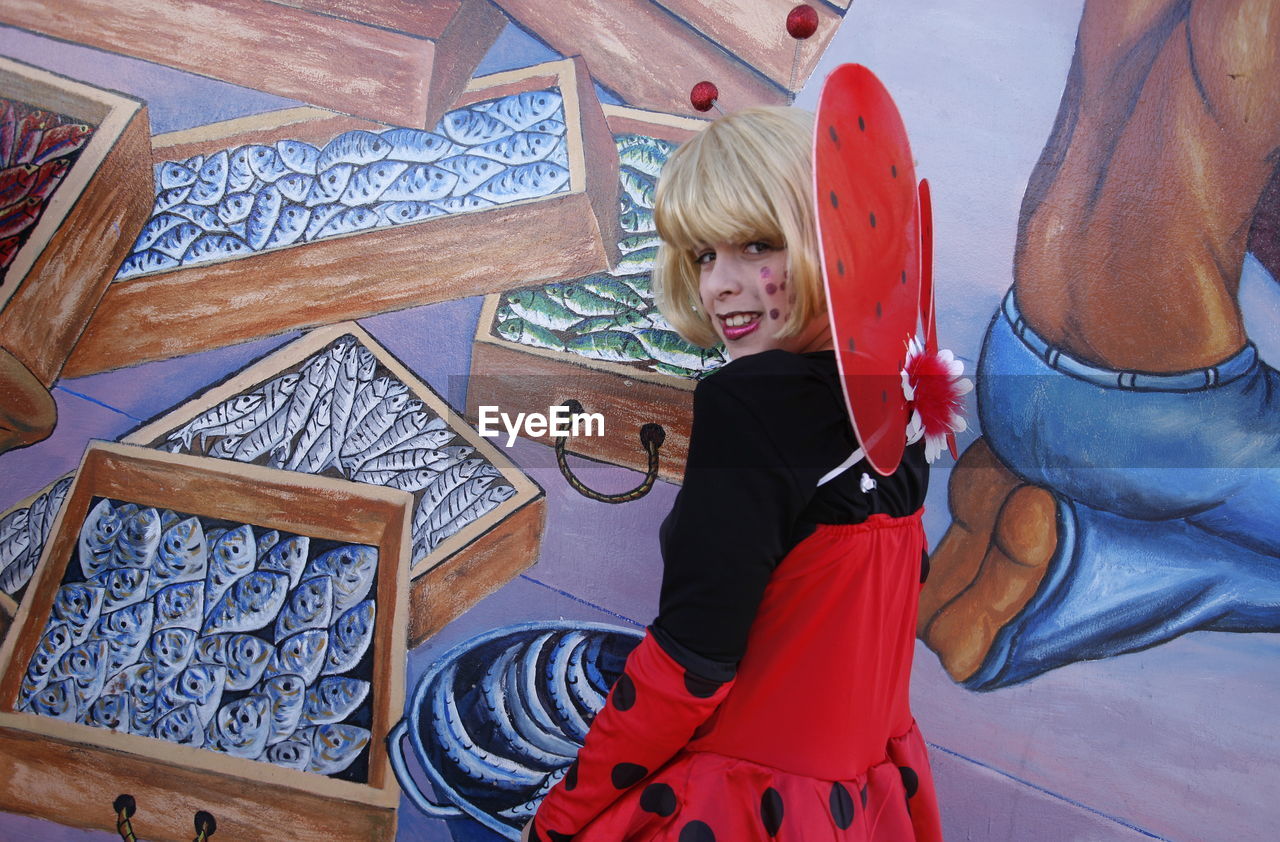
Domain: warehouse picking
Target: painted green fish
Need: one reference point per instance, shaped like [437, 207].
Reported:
[527, 333]
[609, 345]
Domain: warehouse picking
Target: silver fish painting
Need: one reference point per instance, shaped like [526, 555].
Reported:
[249, 604]
[333, 699]
[352, 569]
[335, 747]
[287, 694]
[301, 655]
[244, 656]
[240, 728]
[310, 606]
[349, 638]
[181, 725]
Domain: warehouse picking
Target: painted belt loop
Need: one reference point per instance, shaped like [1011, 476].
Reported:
[651, 438]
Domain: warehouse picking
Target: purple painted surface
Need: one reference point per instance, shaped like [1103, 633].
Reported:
[434, 342]
[149, 390]
[28, 470]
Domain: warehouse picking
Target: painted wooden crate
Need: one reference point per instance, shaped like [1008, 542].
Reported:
[90, 148]
[278, 248]
[72, 744]
[668, 46]
[633, 370]
[454, 562]
[395, 61]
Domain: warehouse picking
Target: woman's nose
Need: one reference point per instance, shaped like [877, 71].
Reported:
[723, 278]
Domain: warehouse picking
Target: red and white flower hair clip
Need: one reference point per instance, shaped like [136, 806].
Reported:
[934, 388]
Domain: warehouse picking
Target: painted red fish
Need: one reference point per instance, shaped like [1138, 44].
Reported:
[61, 141]
[15, 183]
[9, 250]
[31, 129]
[14, 220]
[50, 176]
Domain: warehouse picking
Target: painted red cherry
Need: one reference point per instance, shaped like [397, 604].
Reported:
[703, 96]
[802, 21]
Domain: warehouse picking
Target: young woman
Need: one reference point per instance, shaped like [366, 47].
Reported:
[769, 699]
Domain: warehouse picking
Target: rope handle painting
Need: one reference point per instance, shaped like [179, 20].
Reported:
[214, 635]
[126, 806]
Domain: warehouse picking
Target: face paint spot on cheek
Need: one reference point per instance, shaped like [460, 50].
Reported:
[765, 273]
[783, 285]
[771, 288]
[773, 314]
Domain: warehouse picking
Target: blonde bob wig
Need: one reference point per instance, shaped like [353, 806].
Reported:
[747, 176]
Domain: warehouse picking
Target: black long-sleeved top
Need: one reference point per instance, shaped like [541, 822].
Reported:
[766, 429]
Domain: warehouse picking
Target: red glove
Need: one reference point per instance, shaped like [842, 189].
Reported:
[651, 713]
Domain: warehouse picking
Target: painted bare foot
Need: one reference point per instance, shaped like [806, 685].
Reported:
[27, 410]
[990, 562]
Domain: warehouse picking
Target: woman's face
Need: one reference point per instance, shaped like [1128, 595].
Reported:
[745, 292]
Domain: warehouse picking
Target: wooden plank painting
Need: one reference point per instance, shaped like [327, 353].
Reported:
[398, 64]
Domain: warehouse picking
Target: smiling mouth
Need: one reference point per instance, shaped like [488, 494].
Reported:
[739, 324]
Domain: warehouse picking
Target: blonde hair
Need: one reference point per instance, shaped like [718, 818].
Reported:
[747, 176]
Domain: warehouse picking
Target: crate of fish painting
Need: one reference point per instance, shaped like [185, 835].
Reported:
[74, 171]
[204, 635]
[302, 216]
[600, 339]
[336, 403]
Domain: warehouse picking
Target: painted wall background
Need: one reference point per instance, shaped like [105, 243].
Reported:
[1173, 742]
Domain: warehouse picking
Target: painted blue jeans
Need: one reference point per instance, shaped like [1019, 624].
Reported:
[1167, 490]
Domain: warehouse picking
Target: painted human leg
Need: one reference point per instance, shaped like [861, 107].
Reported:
[1127, 260]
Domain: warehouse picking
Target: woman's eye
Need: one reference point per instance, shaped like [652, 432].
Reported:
[704, 258]
[758, 247]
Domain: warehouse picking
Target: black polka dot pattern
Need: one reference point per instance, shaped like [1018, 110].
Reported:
[904, 277]
[624, 693]
[840, 266]
[841, 806]
[699, 687]
[873, 220]
[910, 780]
[835, 138]
[659, 799]
[879, 310]
[852, 348]
[771, 811]
[696, 831]
[862, 124]
[627, 774]
[893, 170]
[835, 200]
[571, 777]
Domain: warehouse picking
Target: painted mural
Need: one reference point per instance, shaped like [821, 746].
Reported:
[262, 573]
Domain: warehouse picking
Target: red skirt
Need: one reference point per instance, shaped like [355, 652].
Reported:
[703, 797]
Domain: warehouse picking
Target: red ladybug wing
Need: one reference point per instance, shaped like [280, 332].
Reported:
[928, 314]
[869, 238]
